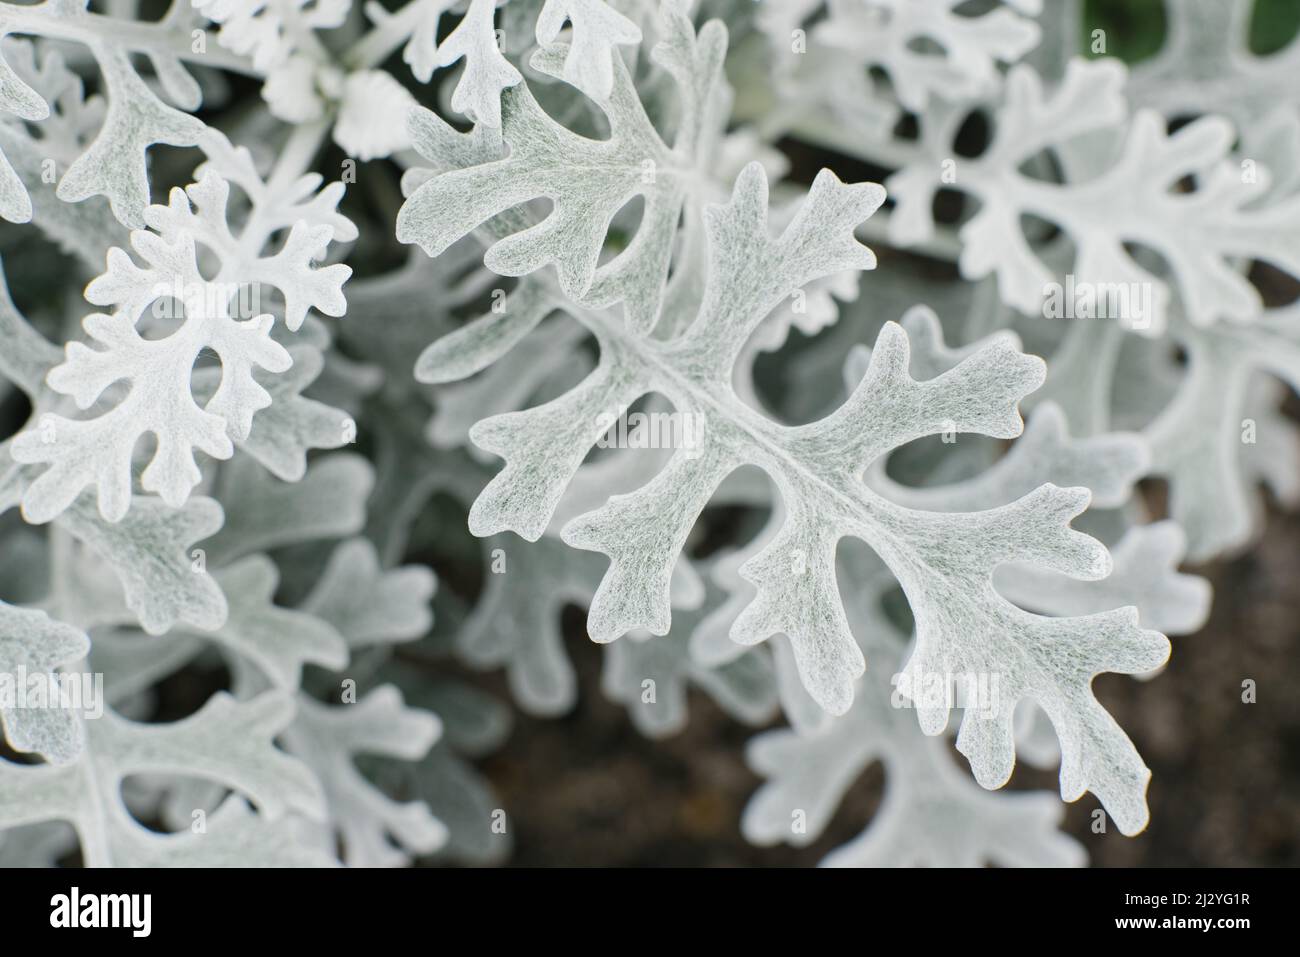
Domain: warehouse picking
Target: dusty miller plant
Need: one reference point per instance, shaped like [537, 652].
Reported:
[335, 281]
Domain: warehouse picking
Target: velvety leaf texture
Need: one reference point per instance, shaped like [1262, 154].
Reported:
[595, 308]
